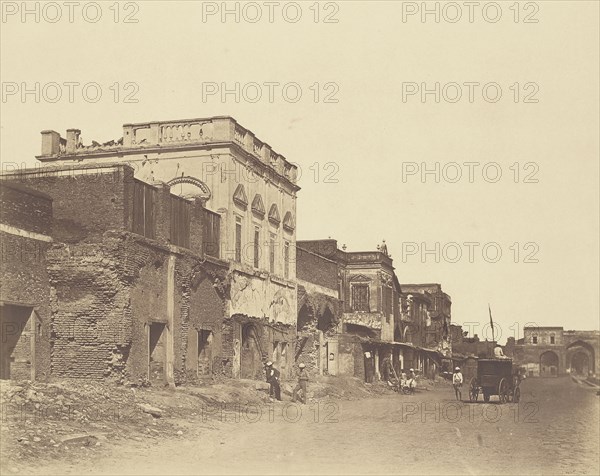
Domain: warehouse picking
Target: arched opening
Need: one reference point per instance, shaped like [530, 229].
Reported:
[189, 188]
[549, 364]
[305, 316]
[251, 355]
[326, 320]
[581, 358]
[580, 363]
[204, 336]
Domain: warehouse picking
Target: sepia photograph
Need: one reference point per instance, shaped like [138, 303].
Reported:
[353, 237]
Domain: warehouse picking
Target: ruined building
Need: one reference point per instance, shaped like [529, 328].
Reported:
[319, 311]
[359, 309]
[437, 315]
[132, 295]
[426, 323]
[25, 227]
[174, 251]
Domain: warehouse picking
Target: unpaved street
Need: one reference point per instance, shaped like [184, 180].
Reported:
[554, 430]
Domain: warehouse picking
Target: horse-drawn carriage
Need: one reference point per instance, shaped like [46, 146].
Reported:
[495, 377]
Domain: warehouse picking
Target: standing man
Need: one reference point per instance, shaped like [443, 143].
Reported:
[387, 368]
[302, 384]
[412, 380]
[273, 381]
[457, 381]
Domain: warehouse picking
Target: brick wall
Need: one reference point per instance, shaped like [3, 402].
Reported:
[316, 269]
[85, 204]
[25, 208]
[202, 308]
[91, 314]
[326, 248]
[267, 335]
[107, 294]
[24, 281]
[105, 285]
[307, 350]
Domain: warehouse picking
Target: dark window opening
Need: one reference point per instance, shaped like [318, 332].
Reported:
[286, 259]
[256, 247]
[180, 221]
[272, 254]
[238, 240]
[144, 219]
[211, 233]
[360, 297]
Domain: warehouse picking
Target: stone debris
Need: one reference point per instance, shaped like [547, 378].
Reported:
[68, 417]
[82, 440]
[154, 411]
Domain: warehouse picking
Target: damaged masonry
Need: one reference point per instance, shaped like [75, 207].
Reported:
[170, 256]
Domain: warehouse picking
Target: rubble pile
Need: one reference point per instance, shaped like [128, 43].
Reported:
[55, 420]
[51, 420]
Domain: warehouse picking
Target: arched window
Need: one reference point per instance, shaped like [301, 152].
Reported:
[189, 187]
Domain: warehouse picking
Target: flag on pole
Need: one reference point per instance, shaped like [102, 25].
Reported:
[491, 322]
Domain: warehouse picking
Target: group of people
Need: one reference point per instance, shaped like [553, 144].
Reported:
[407, 379]
[273, 379]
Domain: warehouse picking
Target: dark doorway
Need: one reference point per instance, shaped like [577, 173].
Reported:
[369, 356]
[205, 338]
[326, 320]
[15, 342]
[305, 317]
[580, 363]
[581, 357]
[251, 355]
[157, 353]
[549, 364]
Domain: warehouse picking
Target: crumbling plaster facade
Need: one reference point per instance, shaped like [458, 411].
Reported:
[108, 286]
[242, 179]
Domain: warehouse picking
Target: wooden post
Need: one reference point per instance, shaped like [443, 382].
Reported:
[32, 337]
[169, 357]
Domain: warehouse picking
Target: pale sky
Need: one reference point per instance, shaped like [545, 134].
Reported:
[370, 134]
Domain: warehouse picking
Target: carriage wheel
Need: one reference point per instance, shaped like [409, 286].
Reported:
[503, 390]
[473, 390]
[516, 395]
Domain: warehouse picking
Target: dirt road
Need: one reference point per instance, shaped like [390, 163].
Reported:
[554, 430]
